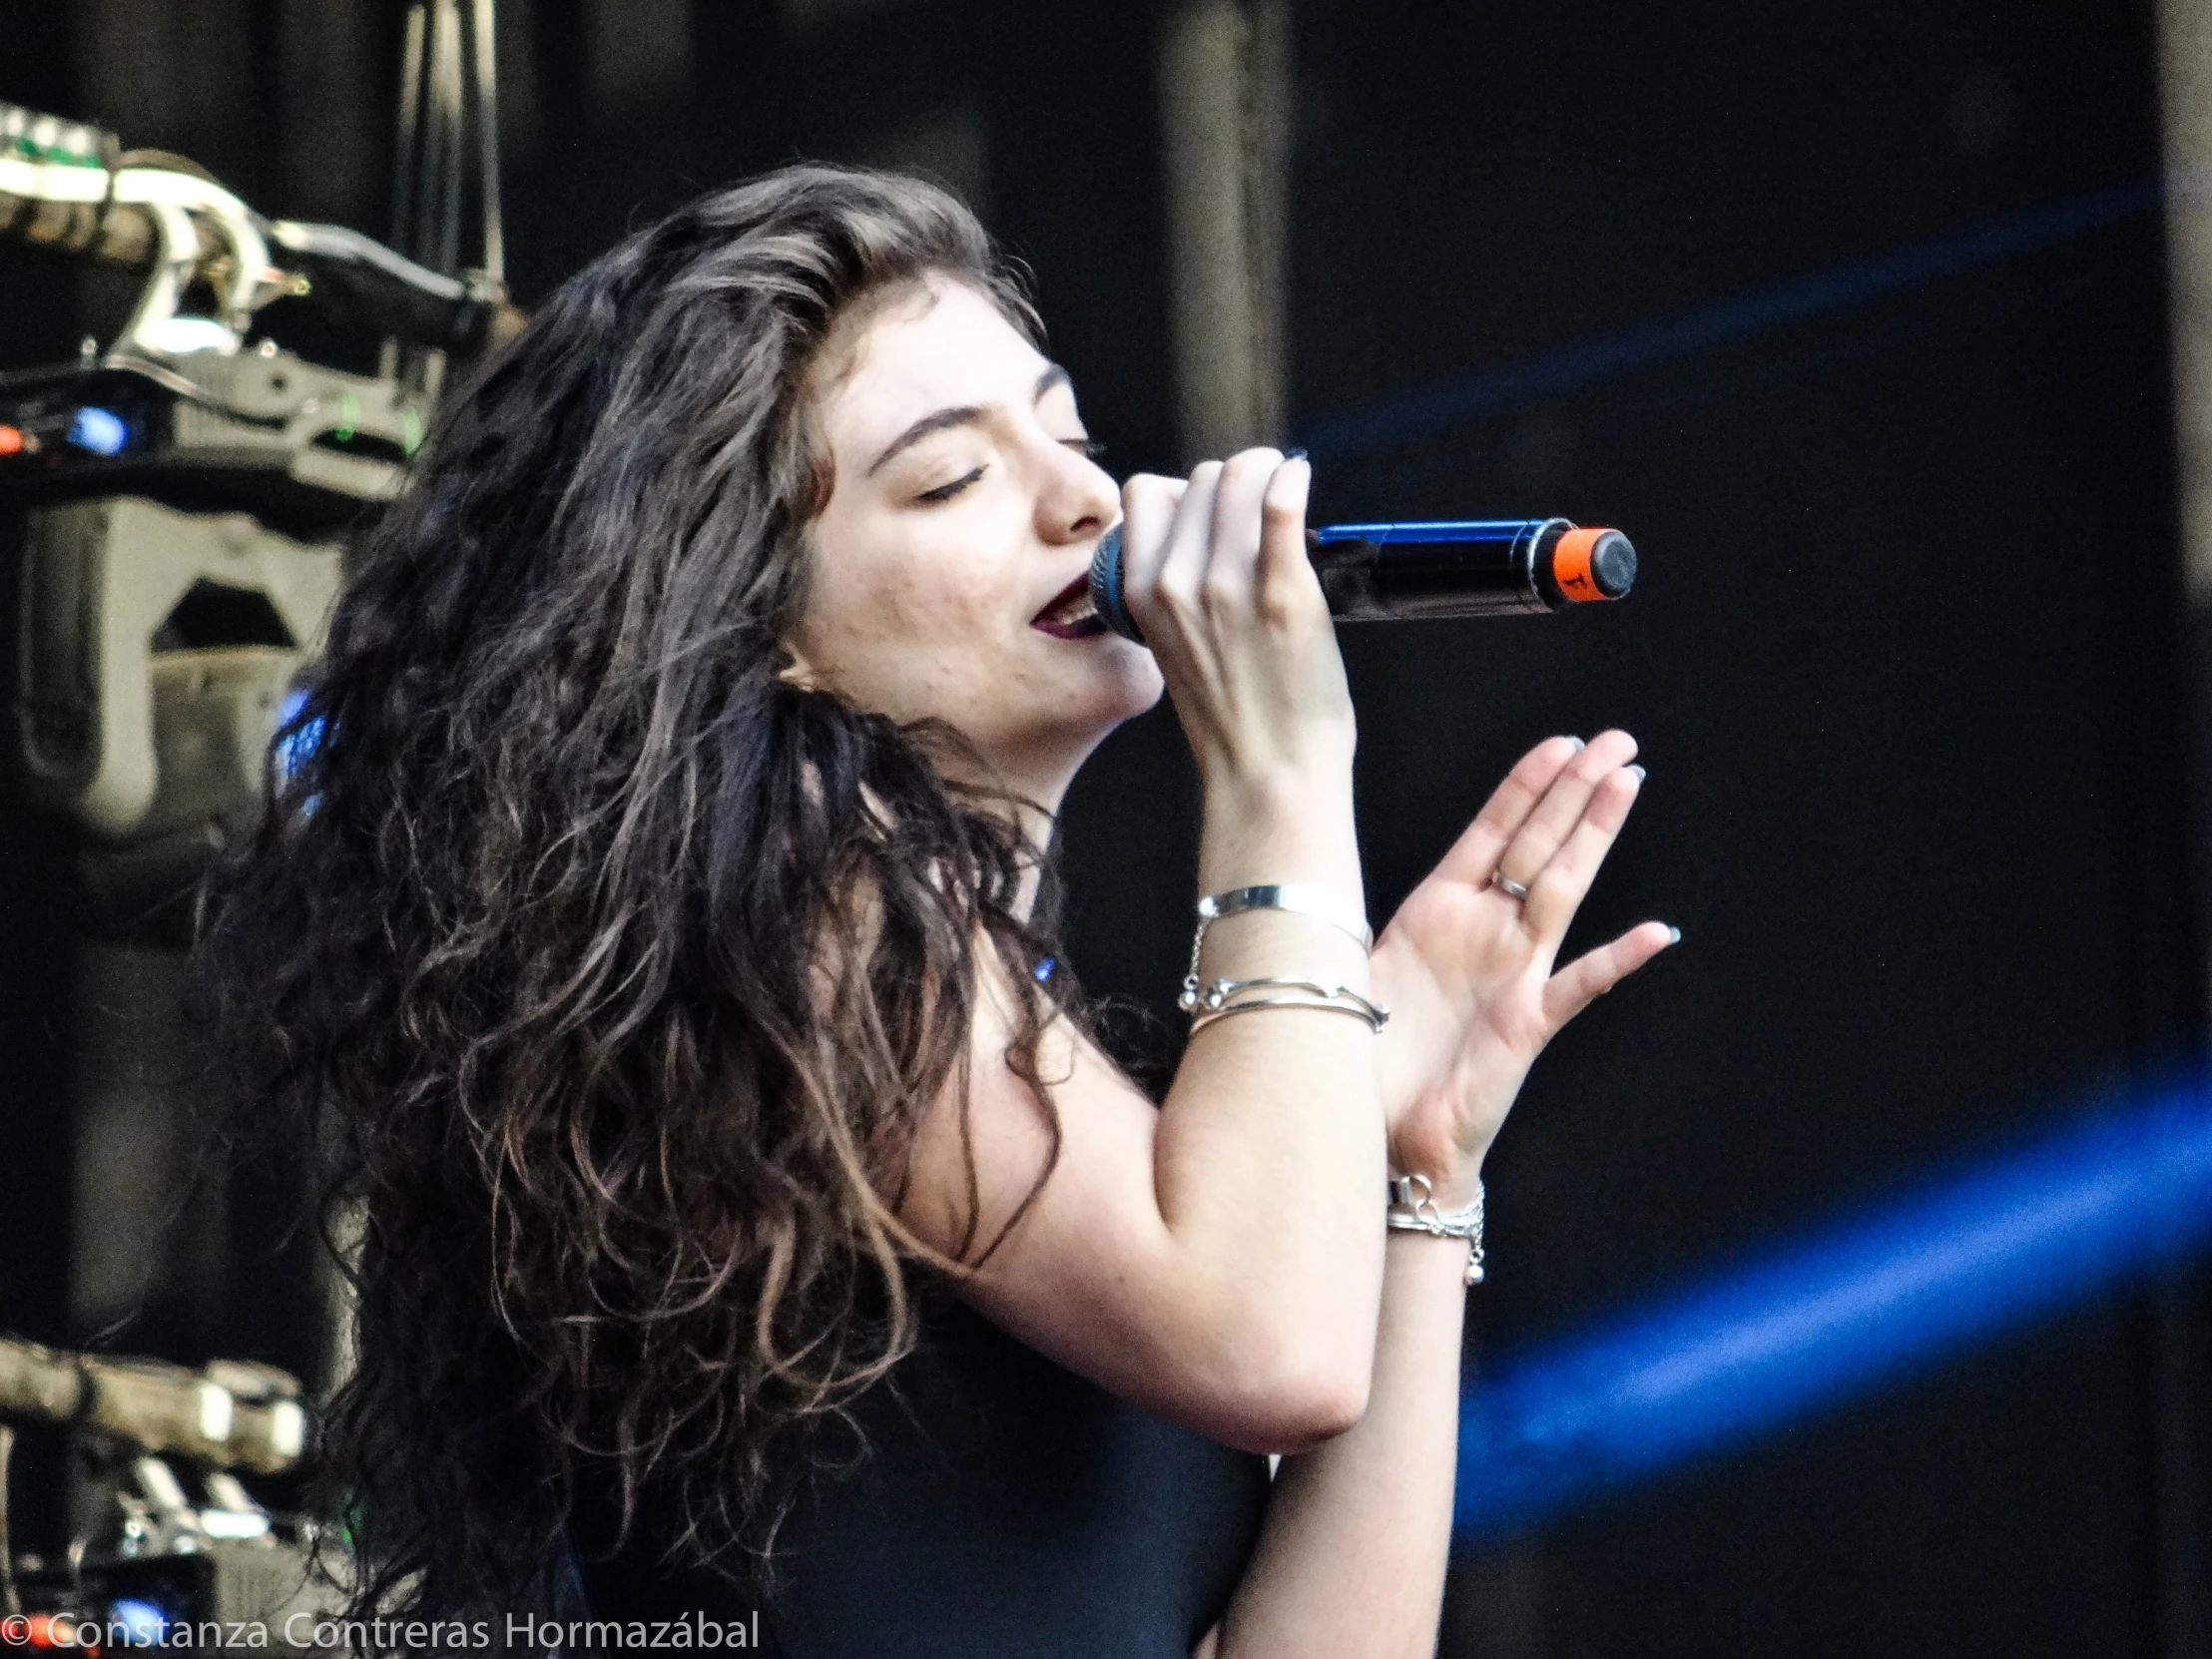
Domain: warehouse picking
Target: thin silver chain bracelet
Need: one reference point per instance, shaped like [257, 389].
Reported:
[1413, 1209]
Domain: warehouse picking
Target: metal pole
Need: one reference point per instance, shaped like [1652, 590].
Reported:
[487, 134]
[451, 108]
[2186, 76]
[1225, 88]
[10, 1601]
[2182, 1312]
[410, 132]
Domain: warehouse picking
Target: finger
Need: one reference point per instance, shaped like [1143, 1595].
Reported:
[1147, 514]
[1473, 857]
[1183, 559]
[1232, 543]
[1557, 891]
[1586, 978]
[1561, 809]
[1286, 581]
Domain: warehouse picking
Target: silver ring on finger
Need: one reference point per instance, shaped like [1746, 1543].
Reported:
[1510, 888]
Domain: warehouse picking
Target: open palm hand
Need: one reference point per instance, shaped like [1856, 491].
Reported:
[1467, 967]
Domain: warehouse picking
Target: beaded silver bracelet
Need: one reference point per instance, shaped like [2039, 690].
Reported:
[1412, 1211]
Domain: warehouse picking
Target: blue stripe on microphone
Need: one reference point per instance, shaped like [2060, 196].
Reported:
[1432, 530]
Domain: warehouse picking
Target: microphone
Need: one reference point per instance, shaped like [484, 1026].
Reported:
[1444, 568]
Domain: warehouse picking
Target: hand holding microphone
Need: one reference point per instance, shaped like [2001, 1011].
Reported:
[1215, 566]
[1369, 572]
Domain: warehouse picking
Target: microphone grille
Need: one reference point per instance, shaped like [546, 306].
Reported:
[1613, 564]
[1106, 594]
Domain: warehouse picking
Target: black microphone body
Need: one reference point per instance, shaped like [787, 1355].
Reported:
[1433, 567]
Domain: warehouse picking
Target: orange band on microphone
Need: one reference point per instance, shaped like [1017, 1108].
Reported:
[1570, 564]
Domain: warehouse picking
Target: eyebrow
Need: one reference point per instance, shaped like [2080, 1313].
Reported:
[964, 414]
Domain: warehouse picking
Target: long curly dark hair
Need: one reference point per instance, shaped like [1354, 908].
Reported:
[607, 971]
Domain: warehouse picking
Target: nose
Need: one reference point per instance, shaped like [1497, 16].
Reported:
[1076, 499]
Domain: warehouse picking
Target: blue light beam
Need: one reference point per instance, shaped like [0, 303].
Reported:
[1807, 1325]
[1836, 288]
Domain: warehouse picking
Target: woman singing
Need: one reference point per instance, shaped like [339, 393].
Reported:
[656, 929]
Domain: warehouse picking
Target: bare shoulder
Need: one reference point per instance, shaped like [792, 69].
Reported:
[1070, 1189]
[1084, 1272]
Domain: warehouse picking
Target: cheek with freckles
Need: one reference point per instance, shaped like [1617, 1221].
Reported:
[909, 636]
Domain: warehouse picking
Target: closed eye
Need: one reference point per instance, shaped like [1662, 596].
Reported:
[1089, 448]
[946, 492]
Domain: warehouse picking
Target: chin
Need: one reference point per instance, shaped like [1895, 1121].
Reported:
[1063, 732]
[1130, 683]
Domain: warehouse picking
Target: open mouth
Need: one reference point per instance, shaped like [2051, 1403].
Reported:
[1070, 616]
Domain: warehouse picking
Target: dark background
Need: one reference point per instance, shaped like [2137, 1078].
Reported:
[1907, 658]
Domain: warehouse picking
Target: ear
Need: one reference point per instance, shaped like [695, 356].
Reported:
[797, 670]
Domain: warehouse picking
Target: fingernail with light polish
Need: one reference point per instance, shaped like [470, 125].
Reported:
[1674, 936]
[1294, 454]
[1579, 745]
[1639, 771]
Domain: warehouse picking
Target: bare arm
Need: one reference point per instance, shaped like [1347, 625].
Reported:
[1350, 1563]
[1218, 1259]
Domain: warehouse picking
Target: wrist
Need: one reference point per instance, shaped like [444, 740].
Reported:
[1281, 783]
[1454, 1191]
[1452, 1180]
[1284, 824]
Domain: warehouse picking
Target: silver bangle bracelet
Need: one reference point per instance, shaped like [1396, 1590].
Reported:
[1306, 994]
[1216, 999]
[1301, 899]
[1298, 899]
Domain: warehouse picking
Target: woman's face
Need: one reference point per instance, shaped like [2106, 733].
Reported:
[950, 560]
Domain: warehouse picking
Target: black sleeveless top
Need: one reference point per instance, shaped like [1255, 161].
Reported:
[1005, 1505]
